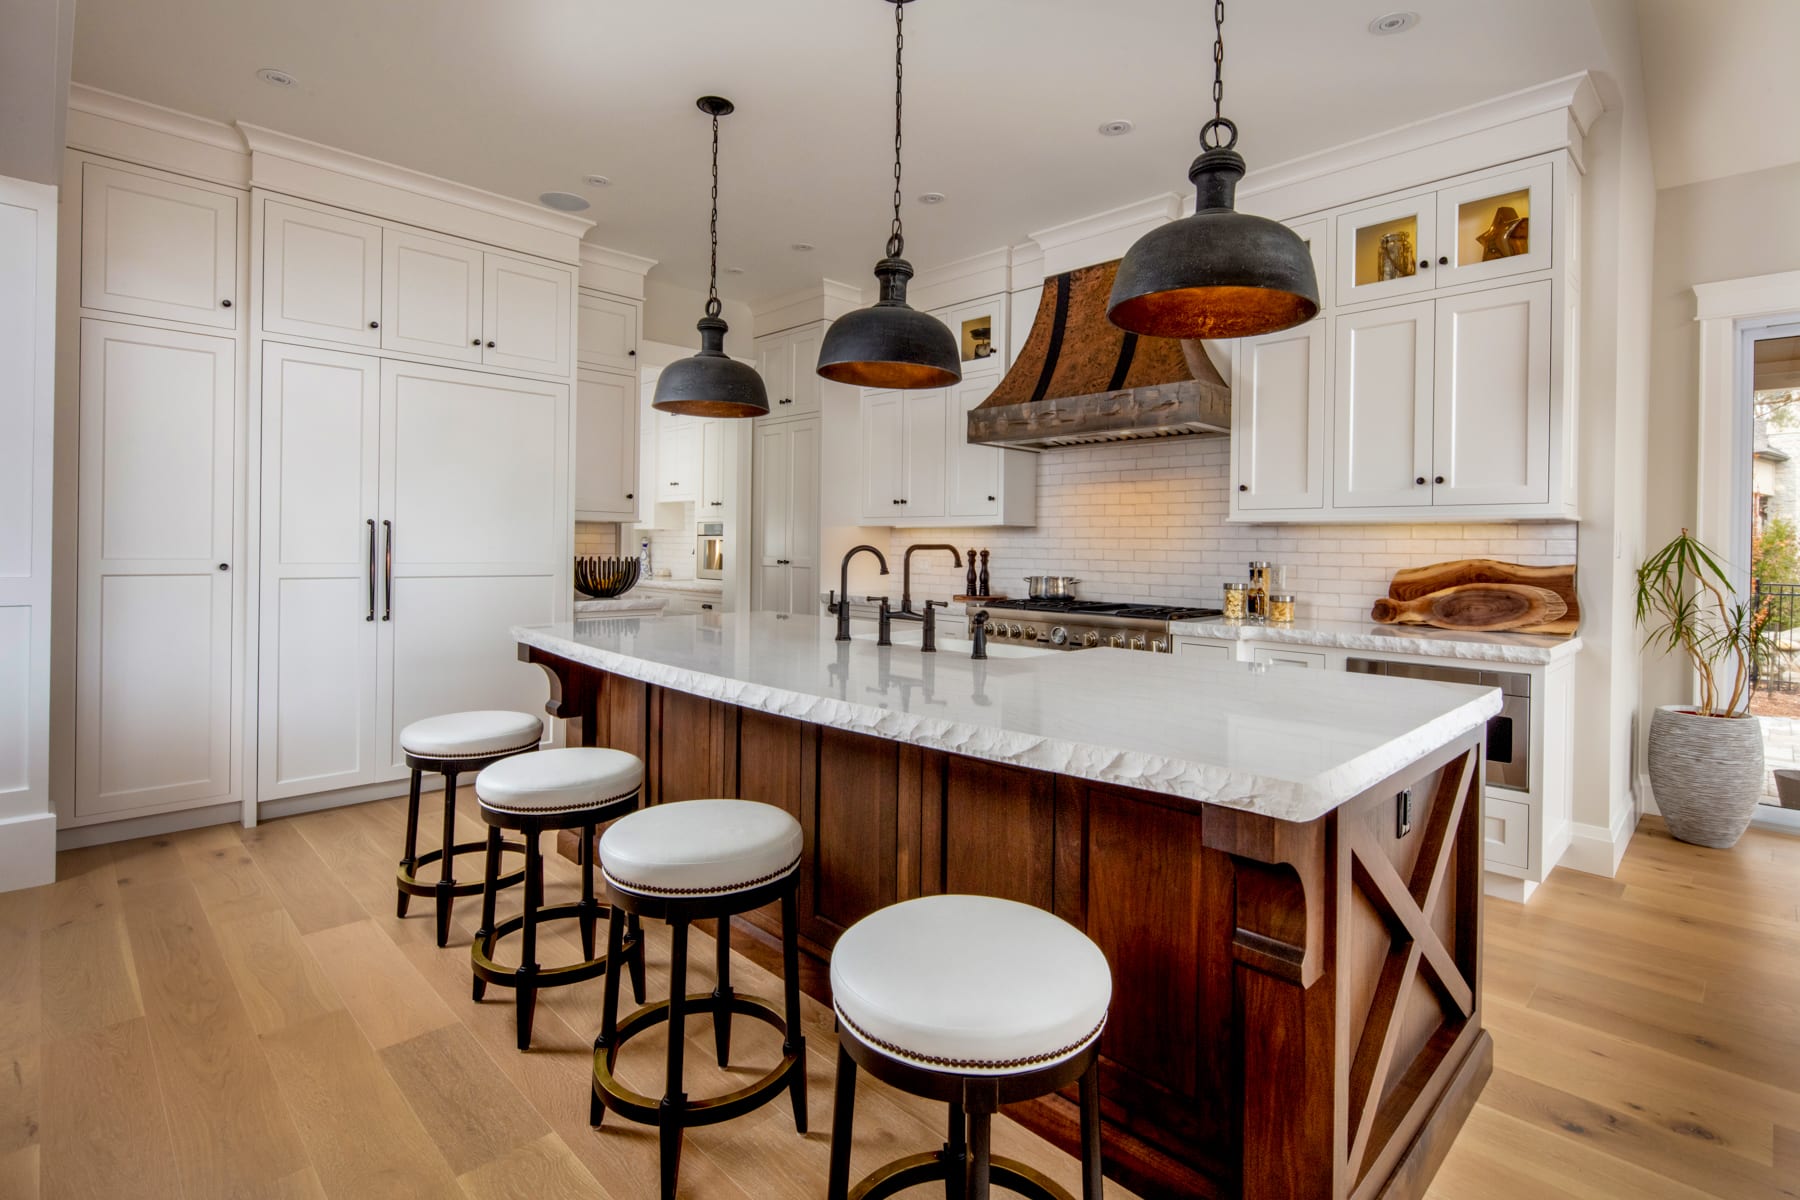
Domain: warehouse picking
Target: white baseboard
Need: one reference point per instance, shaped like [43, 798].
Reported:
[293, 806]
[27, 851]
[1597, 850]
[1507, 887]
[136, 827]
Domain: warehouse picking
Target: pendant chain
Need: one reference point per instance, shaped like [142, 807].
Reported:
[896, 242]
[713, 305]
[1218, 60]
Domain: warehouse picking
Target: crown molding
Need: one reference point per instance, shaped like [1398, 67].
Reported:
[102, 122]
[618, 260]
[826, 301]
[111, 105]
[1103, 236]
[984, 274]
[615, 271]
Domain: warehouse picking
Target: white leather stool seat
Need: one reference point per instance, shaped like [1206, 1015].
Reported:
[970, 984]
[471, 734]
[700, 848]
[562, 780]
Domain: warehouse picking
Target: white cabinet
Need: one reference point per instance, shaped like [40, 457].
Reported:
[1274, 656]
[904, 463]
[883, 455]
[785, 524]
[605, 470]
[678, 458]
[717, 443]
[1203, 650]
[321, 275]
[789, 362]
[431, 298]
[157, 627]
[526, 314]
[1278, 420]
[1491, 424]
[154, 245]
[606, 331]
[974, 472]
[1383, 407]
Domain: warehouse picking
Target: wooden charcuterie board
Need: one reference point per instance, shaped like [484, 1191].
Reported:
[1475, 607]
[1416, 582]
[977, 599]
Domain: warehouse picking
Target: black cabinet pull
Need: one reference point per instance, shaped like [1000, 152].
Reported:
[224, 304]
[371, 615]
[990, 498]
[1440, 479]
[631, 495]
[1424, 264]
[1243, 487]
[387, 608]
[490, 345]
[476, 342]
[631, 353]
[787, 400]
[374, 324]
[224, 566]
[1443, 260]
[1420, 481]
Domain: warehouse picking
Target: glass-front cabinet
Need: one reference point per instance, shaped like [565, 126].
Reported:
[1486, 228]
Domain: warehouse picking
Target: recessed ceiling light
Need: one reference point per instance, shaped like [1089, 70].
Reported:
[803, 247]
[563, 201]
[1394, 22]
[596, 181]
[1116, 128]
[932, 198]
[276, 77]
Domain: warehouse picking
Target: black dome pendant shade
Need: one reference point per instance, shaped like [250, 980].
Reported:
[711, 383]
[1219, 273]
[890, 344]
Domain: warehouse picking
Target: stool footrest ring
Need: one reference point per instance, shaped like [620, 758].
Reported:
[489, 971]
[412, 885]
[937, 1167]
[647, 1111]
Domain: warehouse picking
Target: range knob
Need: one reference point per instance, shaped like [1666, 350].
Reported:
[1090, 639]
[1137, 642]
[1116, 641]
[1031, 632]
[1060, 636]
[1013, 631]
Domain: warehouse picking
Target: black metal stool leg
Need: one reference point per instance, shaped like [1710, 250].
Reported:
[674, 1100]
[722, 992]
[609, 1007]
[637, 957]
[795, 1042]
[843, 1119]
[1090, 1132]
[590, 908]
[980, 1152]
[528, 964]
[446, 884]
[409, 857]
[956, 1154]
[490, 891]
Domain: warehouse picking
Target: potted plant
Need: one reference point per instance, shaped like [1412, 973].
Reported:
[1706, 759]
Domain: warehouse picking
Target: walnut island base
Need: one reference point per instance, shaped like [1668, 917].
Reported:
[1297, 1002]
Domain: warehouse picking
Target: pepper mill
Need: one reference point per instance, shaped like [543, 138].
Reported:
[969, 579]
[982, 580]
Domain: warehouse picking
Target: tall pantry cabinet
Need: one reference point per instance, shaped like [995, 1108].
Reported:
[324, 466]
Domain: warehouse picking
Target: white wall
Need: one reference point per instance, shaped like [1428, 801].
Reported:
[670, 312]
[35, 51]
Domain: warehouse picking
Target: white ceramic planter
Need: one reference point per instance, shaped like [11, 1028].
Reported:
[1707, 774]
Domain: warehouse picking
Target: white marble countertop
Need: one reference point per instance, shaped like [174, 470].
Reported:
[631, 602]
[709, 587]
[1288, 744]
[1525, 649]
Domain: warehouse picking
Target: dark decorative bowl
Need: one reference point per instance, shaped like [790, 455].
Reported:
[604, 578]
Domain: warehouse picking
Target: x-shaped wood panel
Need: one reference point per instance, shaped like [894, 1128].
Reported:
[1403, 906]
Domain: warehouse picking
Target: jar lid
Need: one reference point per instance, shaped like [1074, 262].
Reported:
[1259, 564]
[1280, 598]
[1236, 585]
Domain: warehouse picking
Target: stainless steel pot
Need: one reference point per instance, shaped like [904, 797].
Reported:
[1050, 587]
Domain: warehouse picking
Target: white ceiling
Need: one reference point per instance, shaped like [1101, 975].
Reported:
[1004, 97]
[1719, 78]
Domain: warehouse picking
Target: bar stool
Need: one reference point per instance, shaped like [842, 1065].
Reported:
[574, 788]
[976, 1002]
[679, 863]
[451, 745]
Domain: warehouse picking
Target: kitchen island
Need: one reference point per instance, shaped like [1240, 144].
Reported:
[1283, 869]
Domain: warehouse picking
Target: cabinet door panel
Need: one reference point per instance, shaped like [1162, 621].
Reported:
[1278, 420]
[974, 470]
[803, 508]
[316, 713]
[1492, 426]
[526, 307]
[606, 333]
[999, 832]
[1497, 226]
[156, 632]
[883, 456]
[775, 363]
[1383, 407]
[678, 459]
[430, 297]
[771, 472]
[1387, 250]
[923, 417]
[802, 374]
[606, 447]
[851, 826]
[157, 247]
[714, 502]
[321, 275]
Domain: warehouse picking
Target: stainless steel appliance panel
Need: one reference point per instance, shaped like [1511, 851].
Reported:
[1509, 732]
[709, 550]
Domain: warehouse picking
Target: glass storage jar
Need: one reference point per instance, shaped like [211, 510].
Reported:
[1235, 592]
[1281, 608]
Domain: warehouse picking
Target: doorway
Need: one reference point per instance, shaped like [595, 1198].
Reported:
[1765, 547]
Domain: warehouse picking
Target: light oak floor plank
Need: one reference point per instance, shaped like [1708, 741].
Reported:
[106, 1131]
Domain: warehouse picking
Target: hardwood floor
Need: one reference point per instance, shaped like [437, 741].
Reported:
[236, 1013]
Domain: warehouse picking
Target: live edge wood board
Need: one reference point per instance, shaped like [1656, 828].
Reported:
[1296, 1007]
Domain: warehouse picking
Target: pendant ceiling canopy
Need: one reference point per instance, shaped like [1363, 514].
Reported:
[711, 383]
[1219, 273]
[891, 344]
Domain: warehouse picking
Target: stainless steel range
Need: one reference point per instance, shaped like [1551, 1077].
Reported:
[1085, 624]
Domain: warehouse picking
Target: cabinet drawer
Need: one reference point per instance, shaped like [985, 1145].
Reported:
[1200, 650]
[1287, 658]
[1506, 832]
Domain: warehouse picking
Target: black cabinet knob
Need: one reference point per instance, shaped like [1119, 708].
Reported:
[224, 304]
[1443, 260]
[631, 353]
[374, 324]
[490, 345]
[990, 499]
[476, 342]
[787, 400]
[1243, 487]
[1440, 479]
[1424, 264]
[1420, 481]
[631, 495]
[224, 566]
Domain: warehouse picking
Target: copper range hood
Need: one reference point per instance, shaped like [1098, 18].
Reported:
[1081, 379]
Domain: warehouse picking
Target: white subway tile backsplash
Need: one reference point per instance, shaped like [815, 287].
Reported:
[1147, 522]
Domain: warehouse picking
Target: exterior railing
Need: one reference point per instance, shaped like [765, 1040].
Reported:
[1781, 670]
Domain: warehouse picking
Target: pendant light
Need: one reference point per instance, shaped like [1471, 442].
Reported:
[1219, 273]
[711, 383]
[891, 344]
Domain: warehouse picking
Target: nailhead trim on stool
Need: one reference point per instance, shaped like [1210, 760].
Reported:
[922, 989]
[687, 857]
